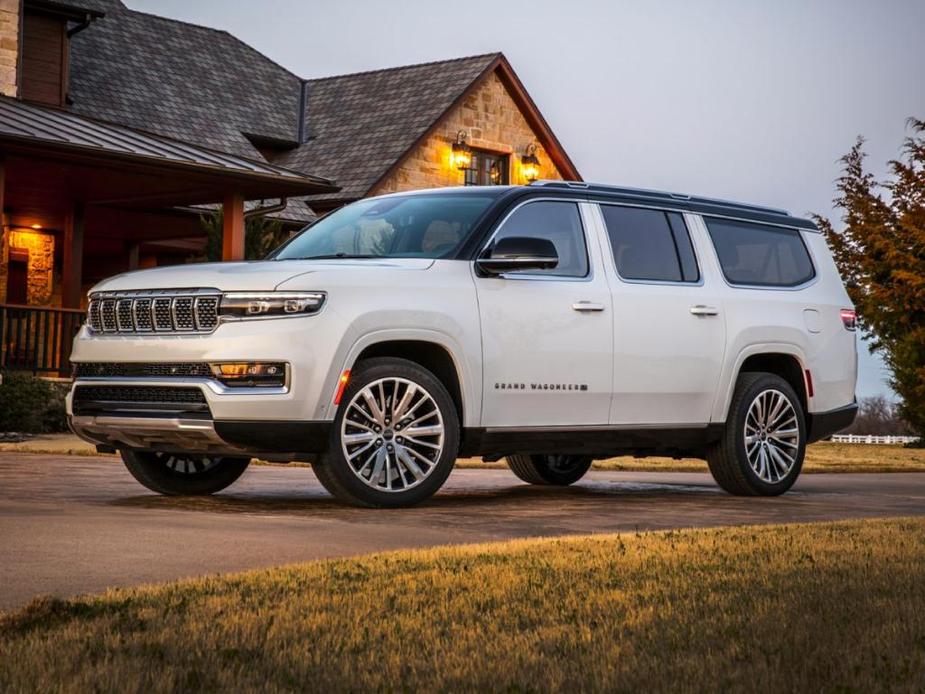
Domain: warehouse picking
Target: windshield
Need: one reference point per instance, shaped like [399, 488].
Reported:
[404, 226]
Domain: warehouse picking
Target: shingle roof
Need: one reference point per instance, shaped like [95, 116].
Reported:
[182, 80]
[361, 124]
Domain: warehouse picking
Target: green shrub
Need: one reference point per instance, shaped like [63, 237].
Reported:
[31, 405]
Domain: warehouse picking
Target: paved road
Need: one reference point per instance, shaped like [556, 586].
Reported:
[71, 524]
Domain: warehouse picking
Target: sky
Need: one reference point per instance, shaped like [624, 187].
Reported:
[751, 100]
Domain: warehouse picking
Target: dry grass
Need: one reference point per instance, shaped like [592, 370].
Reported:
[834, 607]
[820, 457]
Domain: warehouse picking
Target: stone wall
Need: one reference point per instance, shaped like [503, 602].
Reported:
[493, 122]
[9, 45]
[40, 278]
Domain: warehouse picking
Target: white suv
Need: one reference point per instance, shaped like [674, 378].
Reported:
[550, 325]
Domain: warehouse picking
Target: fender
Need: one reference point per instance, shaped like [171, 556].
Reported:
[732, 368]
[470, 386]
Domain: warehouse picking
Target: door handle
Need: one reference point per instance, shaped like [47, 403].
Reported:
[587, 306]
[701, 310]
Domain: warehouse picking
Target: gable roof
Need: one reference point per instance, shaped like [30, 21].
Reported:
[205, 86]
[360, 124]
[181, 80]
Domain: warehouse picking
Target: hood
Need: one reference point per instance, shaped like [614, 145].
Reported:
[258, 275]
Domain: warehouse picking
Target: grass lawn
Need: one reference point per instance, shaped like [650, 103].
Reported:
[829, 606]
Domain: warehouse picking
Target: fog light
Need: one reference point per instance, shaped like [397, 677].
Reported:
[249, 374]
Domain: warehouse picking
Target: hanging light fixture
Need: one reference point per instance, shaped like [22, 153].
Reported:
[462, 154]
[530, 164]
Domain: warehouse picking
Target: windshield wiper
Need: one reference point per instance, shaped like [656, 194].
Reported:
[330, 256]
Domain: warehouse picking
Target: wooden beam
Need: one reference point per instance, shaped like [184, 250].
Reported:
[133, 254]
[73, 256]
[233, 227]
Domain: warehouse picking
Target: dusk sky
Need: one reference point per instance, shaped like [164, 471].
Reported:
[744, 100]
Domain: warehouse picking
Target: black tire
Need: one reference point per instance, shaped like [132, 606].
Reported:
[728, 458]
[551, 469]
[341, 479]
[183, 474]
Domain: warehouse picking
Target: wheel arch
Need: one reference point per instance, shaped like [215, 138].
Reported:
[784, 360]
[434, 351]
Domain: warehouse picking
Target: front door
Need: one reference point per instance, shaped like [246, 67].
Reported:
[547, 336]
[669, 329]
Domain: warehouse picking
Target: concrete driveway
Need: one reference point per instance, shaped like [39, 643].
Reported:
[72, 524]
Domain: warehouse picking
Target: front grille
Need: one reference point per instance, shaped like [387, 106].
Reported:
[140, 401]
[153, 311]
[158, 394]
[143, 370]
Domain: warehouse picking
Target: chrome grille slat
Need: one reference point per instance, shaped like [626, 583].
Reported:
[164, 311]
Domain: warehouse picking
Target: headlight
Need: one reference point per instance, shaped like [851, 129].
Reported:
[270, 304]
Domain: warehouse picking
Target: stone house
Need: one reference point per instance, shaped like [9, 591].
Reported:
[119, 129]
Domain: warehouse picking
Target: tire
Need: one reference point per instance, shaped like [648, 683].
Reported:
[386, 469]
[558, 470]
[772, 461]
[183, 474]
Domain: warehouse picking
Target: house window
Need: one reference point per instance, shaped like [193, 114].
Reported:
[487, 169]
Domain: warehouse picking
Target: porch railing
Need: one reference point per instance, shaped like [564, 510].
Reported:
[37, 339]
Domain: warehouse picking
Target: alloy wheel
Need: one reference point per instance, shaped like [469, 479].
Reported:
[392, 434]
[772, 436]
[187, 464]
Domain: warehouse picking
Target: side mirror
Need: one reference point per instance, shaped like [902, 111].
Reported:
[518, 253]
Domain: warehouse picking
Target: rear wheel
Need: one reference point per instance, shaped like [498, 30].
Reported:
[552, 469]
[183, 474]
[395, 436]
[762, 448]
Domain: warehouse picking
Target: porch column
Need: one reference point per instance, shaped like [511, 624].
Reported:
[72, 272]
[233, 227]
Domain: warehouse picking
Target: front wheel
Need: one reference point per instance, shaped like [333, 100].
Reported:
[183, 474]
[762, 448]
[395, 436]
[558, 470]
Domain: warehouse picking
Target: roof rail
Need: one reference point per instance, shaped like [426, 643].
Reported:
[658, 195]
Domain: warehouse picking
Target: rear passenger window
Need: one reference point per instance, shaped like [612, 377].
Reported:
[650, 244]
[758, 255]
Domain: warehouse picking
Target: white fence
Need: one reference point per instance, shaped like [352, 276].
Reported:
[860, 438]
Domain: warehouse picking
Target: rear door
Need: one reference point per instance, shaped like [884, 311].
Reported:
[669, 327]
[547, 336]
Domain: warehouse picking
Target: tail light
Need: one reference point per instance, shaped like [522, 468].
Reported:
[849, 318]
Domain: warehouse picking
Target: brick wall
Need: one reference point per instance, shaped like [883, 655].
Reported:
[493, 122]
[9, 45]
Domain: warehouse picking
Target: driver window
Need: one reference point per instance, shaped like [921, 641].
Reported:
[558, 221]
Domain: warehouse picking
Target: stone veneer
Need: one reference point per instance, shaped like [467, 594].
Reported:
[493, 122]
[40, 279]
[9, 46]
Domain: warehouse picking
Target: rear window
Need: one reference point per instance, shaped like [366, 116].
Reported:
[650, 244]
[758, 255]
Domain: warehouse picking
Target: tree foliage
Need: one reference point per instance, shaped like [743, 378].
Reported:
[261, 235]
[881, 256]
[879, 417]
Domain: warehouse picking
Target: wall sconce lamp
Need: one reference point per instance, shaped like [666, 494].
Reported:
[462, 154]
[530, 164]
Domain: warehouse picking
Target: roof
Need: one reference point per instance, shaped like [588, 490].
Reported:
[182, 80]
[360, 124]
[711, 207]
[205, 86]
[59, 131]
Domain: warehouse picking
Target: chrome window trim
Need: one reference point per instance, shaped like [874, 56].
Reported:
[540, 277]
[613, 258]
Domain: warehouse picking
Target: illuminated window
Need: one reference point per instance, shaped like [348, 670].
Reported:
[487, 169]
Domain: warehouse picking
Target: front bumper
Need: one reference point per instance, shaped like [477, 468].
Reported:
[176, 434]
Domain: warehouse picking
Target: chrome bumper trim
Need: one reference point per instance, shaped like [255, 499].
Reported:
[154, 433]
